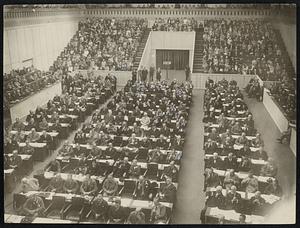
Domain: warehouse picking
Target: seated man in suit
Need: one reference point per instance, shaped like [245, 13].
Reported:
[269, 169]
[145, 143]
[56, 183]
[45, 138]
[244, 151]
[161, 143]
[154, 132]
[213, 135]
[225, 135]
[215, 162]
[15, 160]
[34, 206]
[133, 142]
[137, 130]
[236, 129]
[250, 183]
[158, 212]
[18, 137]
[43, 125]
[30, 116]
[227, 146]
[215, 198]
[177, 144]
[257, 141]
[99, 207]
[154, 156]
[210, 146]
[168, 191]
[233, 199]
[245, 165]
[261, 154]
[66, 150]
[257, 202]
[136, 217]
[230, 162]
[18, 125]
[122, 168]
[135, 169]
[56, 127]
[88, 186]
[70, 185]
[27, 149]
[231, 179]
[116, 213]
[211, 179]
[33, 136]
[273, 188]
[110, 186]
[242, 140]
[171, 171]
[111, 152]
[95, 152]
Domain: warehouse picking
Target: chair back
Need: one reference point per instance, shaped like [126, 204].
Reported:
[58, 201]
[152, 169]
[18, 200]
[129, 186]
[77, 202]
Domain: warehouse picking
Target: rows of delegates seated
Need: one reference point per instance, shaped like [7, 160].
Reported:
[239, 173]
[44, 127]
[102, 43]
[247, 47]
[175, 24]
[19, 84]
[283, 91]
[100, 167]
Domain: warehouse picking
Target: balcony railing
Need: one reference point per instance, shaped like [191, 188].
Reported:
[140, 12]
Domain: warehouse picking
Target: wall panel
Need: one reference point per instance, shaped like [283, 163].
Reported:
[41, 42]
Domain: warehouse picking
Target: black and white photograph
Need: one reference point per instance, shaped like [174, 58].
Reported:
[149, 113]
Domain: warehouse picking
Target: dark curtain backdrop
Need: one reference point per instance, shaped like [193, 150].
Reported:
[179, 59]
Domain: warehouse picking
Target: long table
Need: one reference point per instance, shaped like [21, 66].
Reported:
[10, 218]
[271, 199]
[143, 165]
[24, 168]
[81, 178]
[40, 150]
[212, 215]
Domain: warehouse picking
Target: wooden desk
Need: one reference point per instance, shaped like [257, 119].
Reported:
[212, 215]
[271, 199]
[40, 150]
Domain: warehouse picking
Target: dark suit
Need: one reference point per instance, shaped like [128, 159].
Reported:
[215, 163]
[230, 164]
[215, 199]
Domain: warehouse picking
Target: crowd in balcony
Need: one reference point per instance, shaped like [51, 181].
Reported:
[284, 92]
[102, 44]
[21, 83]
[247, 47]
[175, 24]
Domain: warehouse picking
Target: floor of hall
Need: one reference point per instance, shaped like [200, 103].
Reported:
[190, 195]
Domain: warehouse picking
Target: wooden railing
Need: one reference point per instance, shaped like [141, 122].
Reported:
[140, 12]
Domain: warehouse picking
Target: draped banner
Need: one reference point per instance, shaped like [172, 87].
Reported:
[179, 59]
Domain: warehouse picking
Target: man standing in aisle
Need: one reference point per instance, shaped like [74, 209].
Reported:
[158, 74]
[151, 73]
[187, 73]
